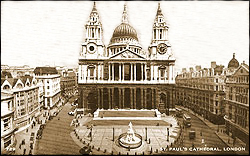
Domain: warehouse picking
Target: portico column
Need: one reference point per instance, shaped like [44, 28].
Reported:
[155, 73]
[109, 71]
[113, 101]
[120, 98]
[109, 98]
[113, 71]
[88, 73]
[141, 71]
[152, 95]
[98, 98]
[123, 89]
[131, 98]
[145, 72]
[120, 72]
[101, 97]
[145, 98]
[142, 98]
[152, 72]
[102, 71]
[131, 71]
[123, 77]
[135, 98]
[135, 72]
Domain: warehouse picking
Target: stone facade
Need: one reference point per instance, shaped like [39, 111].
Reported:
[50, 80]
[237, 104]
[123, 74]
[7, 121]
[203, 91]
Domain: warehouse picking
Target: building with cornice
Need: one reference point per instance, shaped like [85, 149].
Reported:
[50, 80]
[122, 74]
[237, 102]
[7, 122]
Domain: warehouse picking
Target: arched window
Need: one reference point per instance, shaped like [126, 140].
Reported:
[19, 85]
[6, 87]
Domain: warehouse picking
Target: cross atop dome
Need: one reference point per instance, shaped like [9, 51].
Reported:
[94, 8]
[159, 10]
[125, 15]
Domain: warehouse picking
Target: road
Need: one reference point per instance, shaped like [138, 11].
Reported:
[56, 139]
[211, 140]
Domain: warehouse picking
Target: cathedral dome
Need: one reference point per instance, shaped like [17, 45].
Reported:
[233, 63]
[124, 30]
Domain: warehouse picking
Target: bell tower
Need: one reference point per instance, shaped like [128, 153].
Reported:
[160, 48]
[93, 46]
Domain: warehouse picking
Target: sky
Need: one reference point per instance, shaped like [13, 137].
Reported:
[39, 33]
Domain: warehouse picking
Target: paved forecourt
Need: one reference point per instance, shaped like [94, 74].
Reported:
[102, 134]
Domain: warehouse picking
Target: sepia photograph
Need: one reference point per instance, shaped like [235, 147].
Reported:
[125, 78]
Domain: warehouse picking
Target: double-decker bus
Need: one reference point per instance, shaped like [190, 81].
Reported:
[186, 120]
[179, 112]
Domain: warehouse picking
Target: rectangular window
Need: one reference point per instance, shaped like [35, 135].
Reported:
[7, 141]
[23, 111]
[48, 87]
[6, 124]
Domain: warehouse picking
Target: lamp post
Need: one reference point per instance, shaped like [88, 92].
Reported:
[113, 134]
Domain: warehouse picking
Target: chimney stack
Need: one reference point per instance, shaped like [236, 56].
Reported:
[198, 68]
[213, 64]
[191, 69]
[184, 70]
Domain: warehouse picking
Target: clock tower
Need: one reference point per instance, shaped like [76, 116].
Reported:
[93, 47]
[160, 48]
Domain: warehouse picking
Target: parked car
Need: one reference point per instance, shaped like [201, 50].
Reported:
[32, 134]
[42, 126]
[71, 113]
[85, 150]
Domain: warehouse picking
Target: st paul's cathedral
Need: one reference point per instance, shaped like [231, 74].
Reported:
[122, 75]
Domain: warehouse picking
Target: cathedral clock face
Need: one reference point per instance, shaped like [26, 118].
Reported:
[162, 48]
[91, 47]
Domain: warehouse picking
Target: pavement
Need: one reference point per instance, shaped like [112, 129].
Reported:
[24, 135]
[102, 138]
[56, 139]
[223, 136]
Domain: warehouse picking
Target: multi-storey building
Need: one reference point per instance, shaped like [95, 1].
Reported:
[237, 104]
[68, 83]
[7, 124]
[123, 74]
[25, 92]
[18, 71]
[50, 80]
[203, 91]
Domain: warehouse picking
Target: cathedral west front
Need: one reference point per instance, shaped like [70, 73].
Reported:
[123, 75]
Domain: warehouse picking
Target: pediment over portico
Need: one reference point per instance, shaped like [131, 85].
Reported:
[127, 54]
